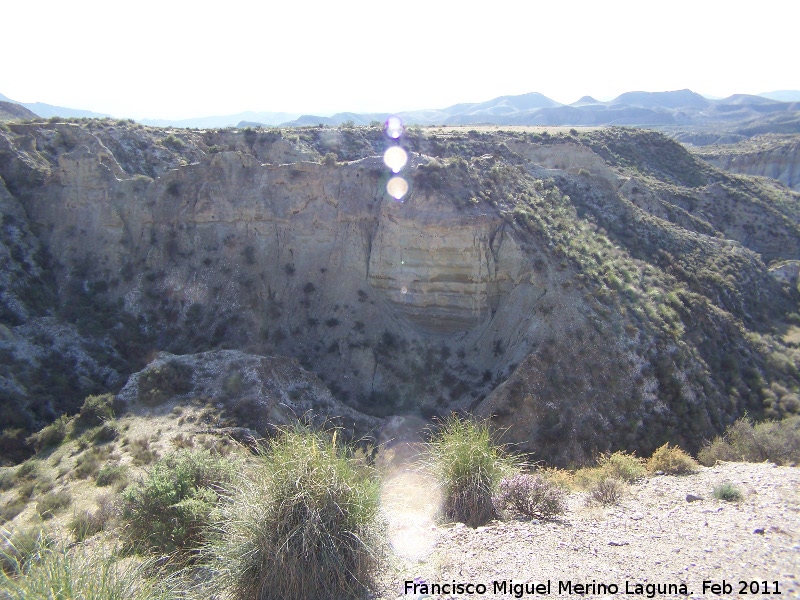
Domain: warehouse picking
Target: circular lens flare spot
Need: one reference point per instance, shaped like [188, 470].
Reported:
[395, 158]
[397, 187]
[394, 127]
[404, 290]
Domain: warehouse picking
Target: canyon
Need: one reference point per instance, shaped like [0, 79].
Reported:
[588, 291]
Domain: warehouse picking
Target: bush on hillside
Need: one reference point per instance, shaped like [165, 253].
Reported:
[171, 508]
[622, 465]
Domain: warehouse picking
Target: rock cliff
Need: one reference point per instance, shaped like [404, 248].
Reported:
[775, 156]
[589, 292]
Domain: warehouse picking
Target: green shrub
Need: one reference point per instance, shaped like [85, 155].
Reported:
[95, 411]
[728, 492]
[622, 465]
[141, 452]
[304, 523]
[51, 435]
[12, 508]
[468, 466]
[672, 461]
[88, 463]
[530, 496]
[52, 502]
[28, 470]
[107, 432]
[774, 441]
[169, 510]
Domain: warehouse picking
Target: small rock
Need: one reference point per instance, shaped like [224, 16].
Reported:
[692, 498]
[614, 543]
[658, 473]
[759, 530]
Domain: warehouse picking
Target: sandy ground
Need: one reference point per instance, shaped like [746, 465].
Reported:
[654, 537]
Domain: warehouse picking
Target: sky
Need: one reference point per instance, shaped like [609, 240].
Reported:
[173, 59]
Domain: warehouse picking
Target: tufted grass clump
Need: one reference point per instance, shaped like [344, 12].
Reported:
[672, 461]
[469, 466]
[171, 508]
[48, 570]
[303, 523]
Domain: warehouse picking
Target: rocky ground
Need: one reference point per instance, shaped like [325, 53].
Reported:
[655, 537]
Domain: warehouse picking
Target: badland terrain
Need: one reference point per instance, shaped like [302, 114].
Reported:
[590, 290]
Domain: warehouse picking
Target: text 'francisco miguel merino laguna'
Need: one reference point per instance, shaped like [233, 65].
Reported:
[518, 590]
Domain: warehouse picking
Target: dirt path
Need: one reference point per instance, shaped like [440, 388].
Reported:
[654, 544]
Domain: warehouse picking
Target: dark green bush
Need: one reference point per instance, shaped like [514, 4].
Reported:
[95, 411]
[170, 509]
[160, 383]
[111, 474]
[51, 435]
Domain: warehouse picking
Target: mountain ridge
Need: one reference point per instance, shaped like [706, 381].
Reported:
[776, 112]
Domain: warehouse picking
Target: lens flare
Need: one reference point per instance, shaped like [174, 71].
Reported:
[404, 290]
[394, 127]
[397, 187]
[395, 158]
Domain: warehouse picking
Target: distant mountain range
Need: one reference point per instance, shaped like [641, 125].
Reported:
[681, 110]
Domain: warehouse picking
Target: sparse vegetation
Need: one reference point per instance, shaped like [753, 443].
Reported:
[52, 502]
[774, 441]
[607, 491]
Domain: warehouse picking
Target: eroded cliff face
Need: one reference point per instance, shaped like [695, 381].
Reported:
[774, 156]
[546, 282]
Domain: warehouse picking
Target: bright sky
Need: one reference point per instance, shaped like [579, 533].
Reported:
[177, 59]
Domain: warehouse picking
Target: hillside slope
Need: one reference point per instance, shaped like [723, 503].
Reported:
[590, 291]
